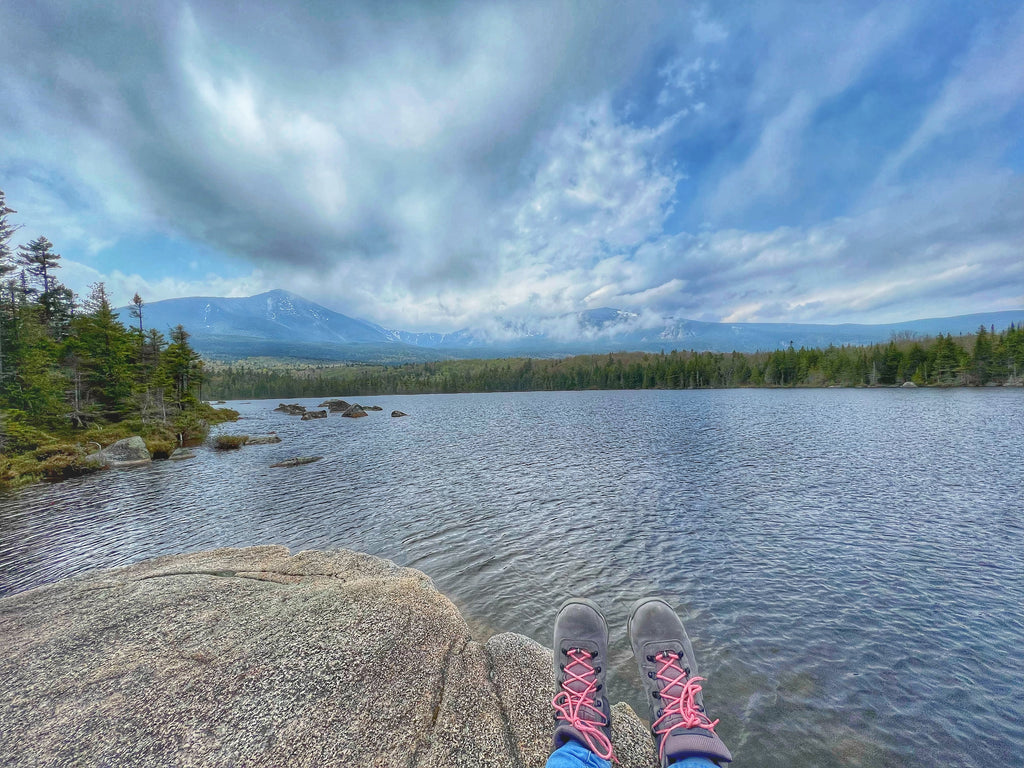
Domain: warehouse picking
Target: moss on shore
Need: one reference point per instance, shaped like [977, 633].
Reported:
[31, 454]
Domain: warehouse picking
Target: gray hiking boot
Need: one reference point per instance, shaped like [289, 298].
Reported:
[668, 671]
[582, 712]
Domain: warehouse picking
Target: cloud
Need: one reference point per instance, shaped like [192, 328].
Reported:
[987, 84]
[430, 166]
[121, 286]
[790, 91]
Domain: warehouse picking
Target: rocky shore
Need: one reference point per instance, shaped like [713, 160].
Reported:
[256, 657]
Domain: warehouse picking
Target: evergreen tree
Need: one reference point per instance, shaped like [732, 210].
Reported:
[7, 266]
[136, 310]
[983, 357]
[183, 367]
[101, 345]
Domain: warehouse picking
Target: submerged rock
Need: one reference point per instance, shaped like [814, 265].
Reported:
[297, 461]
[254, 657]
[354, 412]
[263, 439]
[372, 408]
[310, 415]
[396, 414]
[293, 409]
[180, 454]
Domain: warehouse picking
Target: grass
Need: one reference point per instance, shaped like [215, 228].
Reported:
[159, 448]
[230, 442]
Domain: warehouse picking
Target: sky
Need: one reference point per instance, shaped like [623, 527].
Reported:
[429, 165]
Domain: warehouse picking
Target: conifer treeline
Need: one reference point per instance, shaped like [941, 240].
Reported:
[988, 357]
[67, 365]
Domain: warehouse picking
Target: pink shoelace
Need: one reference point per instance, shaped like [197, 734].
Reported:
[577, 706]
[680, 702]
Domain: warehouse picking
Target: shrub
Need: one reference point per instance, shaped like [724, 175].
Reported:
[16, 436]
[159, 448]
[61, 465]
[230, 442]
[220, 415]
[55, 449]
[190, 426]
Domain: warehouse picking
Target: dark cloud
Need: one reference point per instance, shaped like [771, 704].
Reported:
[432, 163]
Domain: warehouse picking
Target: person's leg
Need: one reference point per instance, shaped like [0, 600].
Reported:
[582, 712]
[693, 762]
[572, 754]
[682, 730]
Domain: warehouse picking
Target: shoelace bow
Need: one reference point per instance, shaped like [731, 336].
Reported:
[574, 706]
[681, 703]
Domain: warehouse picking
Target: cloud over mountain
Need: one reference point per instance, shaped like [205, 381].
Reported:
[429, 165]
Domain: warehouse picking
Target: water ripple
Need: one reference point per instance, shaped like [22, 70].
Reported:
[848, 562]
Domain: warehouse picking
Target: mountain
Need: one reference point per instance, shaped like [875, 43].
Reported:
[272, 316]
[282, 324]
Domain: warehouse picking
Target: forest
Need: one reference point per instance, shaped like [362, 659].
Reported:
[72, 374]
[987, 357]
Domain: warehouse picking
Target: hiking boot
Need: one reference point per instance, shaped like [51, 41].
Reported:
[668, 671]
[582, 712]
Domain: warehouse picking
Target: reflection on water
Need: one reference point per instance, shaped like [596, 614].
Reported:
[848, 563]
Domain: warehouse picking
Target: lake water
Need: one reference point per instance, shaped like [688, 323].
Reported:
[849, 563]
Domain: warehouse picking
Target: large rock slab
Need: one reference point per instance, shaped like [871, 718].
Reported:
[255, 657]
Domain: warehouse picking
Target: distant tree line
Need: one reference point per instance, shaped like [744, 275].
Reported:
[67, 366]
[987, 357]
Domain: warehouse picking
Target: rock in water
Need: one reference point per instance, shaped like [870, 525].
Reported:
[180, 454]
[354, 412]
[909, 385]
[263, 439]
[334, 406]
[297, 461]
[371, 408]
[129, 452]
[396, 414]
[293, 409]
[310, 415]
[253, 657]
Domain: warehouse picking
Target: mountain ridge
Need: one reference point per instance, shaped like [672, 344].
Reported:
[279, 323]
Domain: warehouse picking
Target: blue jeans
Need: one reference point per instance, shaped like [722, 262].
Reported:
[575, 755]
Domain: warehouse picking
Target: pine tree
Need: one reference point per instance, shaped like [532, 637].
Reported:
[184, 368]
[7, 266]
[983, 357]
[39, 262]
[102, 345]
[136, 310]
